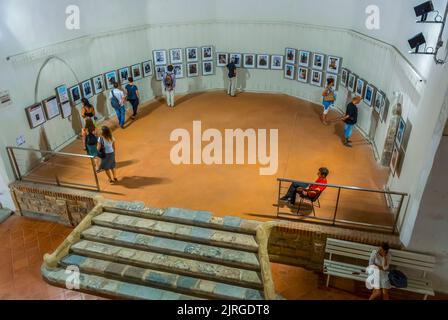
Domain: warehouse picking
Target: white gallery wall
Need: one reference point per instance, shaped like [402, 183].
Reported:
[114, 34]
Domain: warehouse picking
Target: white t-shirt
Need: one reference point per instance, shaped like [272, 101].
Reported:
[118, 94]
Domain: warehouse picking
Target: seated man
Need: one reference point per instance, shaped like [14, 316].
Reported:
[310, 191]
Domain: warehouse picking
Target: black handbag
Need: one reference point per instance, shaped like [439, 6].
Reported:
[398, 279]
[102, 151]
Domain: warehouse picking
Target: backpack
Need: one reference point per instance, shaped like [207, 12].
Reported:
[398, 279]
[91, 139]
[114, 101]
[168, 80]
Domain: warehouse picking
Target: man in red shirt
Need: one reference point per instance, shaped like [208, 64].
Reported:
[310, 191]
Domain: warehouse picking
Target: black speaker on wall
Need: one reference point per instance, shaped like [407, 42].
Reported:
[423, 10]
[417, 41]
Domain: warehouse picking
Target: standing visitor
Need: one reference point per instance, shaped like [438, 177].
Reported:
[232, 78]
[350, 119]
[87, 112]
[329, 98]
[381, 259]
[169, 84]
[106, 151]
[133, 96]
[91, 140]
[117, 99]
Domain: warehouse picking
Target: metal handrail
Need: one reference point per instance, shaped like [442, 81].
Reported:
[334, 221]
[345, 187]
[53, 152]
[18, 175]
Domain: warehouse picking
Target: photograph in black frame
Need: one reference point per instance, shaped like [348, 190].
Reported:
[51, 107]
[35, 115]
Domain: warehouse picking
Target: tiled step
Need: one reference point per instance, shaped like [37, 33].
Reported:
[190, 217]
[178, 231]
[223, 256]
[112, 288]
[162, 280]
[166, 263]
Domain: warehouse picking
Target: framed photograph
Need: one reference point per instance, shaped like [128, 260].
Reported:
[351, 82]
[400, 133]
[124, 74]
[222, 59]
[87, 89]
[179, 71]
[62, 94]
[344, 77]
[51, 107]
[176, 56]
[277, 62]
[207, 68]
[193, 69]
[136, 71]
[75, 94]
[379, 102]
[318, 61]
[98, 84]
[368, 95]
[237, 57]
[395, 160]
[111, 78]
[290, 56]
[192, 54]
[147, 69]
[66, 109]
[334, 77]
[160, 58]
[360, 87]
[333, 64]
[303, 74]
[263, 61]
[316, 78]
[207, 53]
[304, 58]
[290, 71]
[160, 71]
[35, 115]
[249, 60]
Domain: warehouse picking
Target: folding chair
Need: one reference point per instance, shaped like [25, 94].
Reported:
[313, 201]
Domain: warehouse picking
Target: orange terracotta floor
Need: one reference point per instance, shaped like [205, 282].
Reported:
[147, 174]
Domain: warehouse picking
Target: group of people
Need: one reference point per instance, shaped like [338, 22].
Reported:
[351, 116]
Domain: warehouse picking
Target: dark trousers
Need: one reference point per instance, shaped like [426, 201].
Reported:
[135, 103]
[292, 192]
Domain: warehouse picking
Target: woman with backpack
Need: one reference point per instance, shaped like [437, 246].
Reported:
[106, 152]
[91, 140]
[169, 84]
[87, 112]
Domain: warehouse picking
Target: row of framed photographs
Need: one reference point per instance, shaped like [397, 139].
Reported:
[193, 70]
[306, 75]
[251, 60]
[177, 55]
[317, 61]
[399, 150]
[48, 109]
[367, 91]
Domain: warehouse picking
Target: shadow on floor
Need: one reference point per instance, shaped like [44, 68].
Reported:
[137, 182]
[122, 164]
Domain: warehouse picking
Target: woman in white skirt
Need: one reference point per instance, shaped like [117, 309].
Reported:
[381, 259]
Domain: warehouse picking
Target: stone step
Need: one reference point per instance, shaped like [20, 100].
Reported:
[165, 263]
[223, 256]
[97, 285]
[161, 280]
[177, 231]
[189, 217]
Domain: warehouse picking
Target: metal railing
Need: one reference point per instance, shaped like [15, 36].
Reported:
[54, 168]
[346, 206]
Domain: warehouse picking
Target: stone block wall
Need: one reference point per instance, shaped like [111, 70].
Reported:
[63, 205]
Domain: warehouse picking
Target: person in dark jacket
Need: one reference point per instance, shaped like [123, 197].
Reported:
[350, 119]
[133, 96]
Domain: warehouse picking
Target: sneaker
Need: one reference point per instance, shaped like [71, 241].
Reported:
[348, 144]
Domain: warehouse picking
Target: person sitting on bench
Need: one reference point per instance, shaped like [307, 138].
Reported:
[310, 191]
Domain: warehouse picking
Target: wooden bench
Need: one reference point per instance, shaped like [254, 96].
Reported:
[415, 265]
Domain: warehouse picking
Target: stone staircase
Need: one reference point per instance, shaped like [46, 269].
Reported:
[127, 251]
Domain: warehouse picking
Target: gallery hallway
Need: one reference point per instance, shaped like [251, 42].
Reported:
[147, 174]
